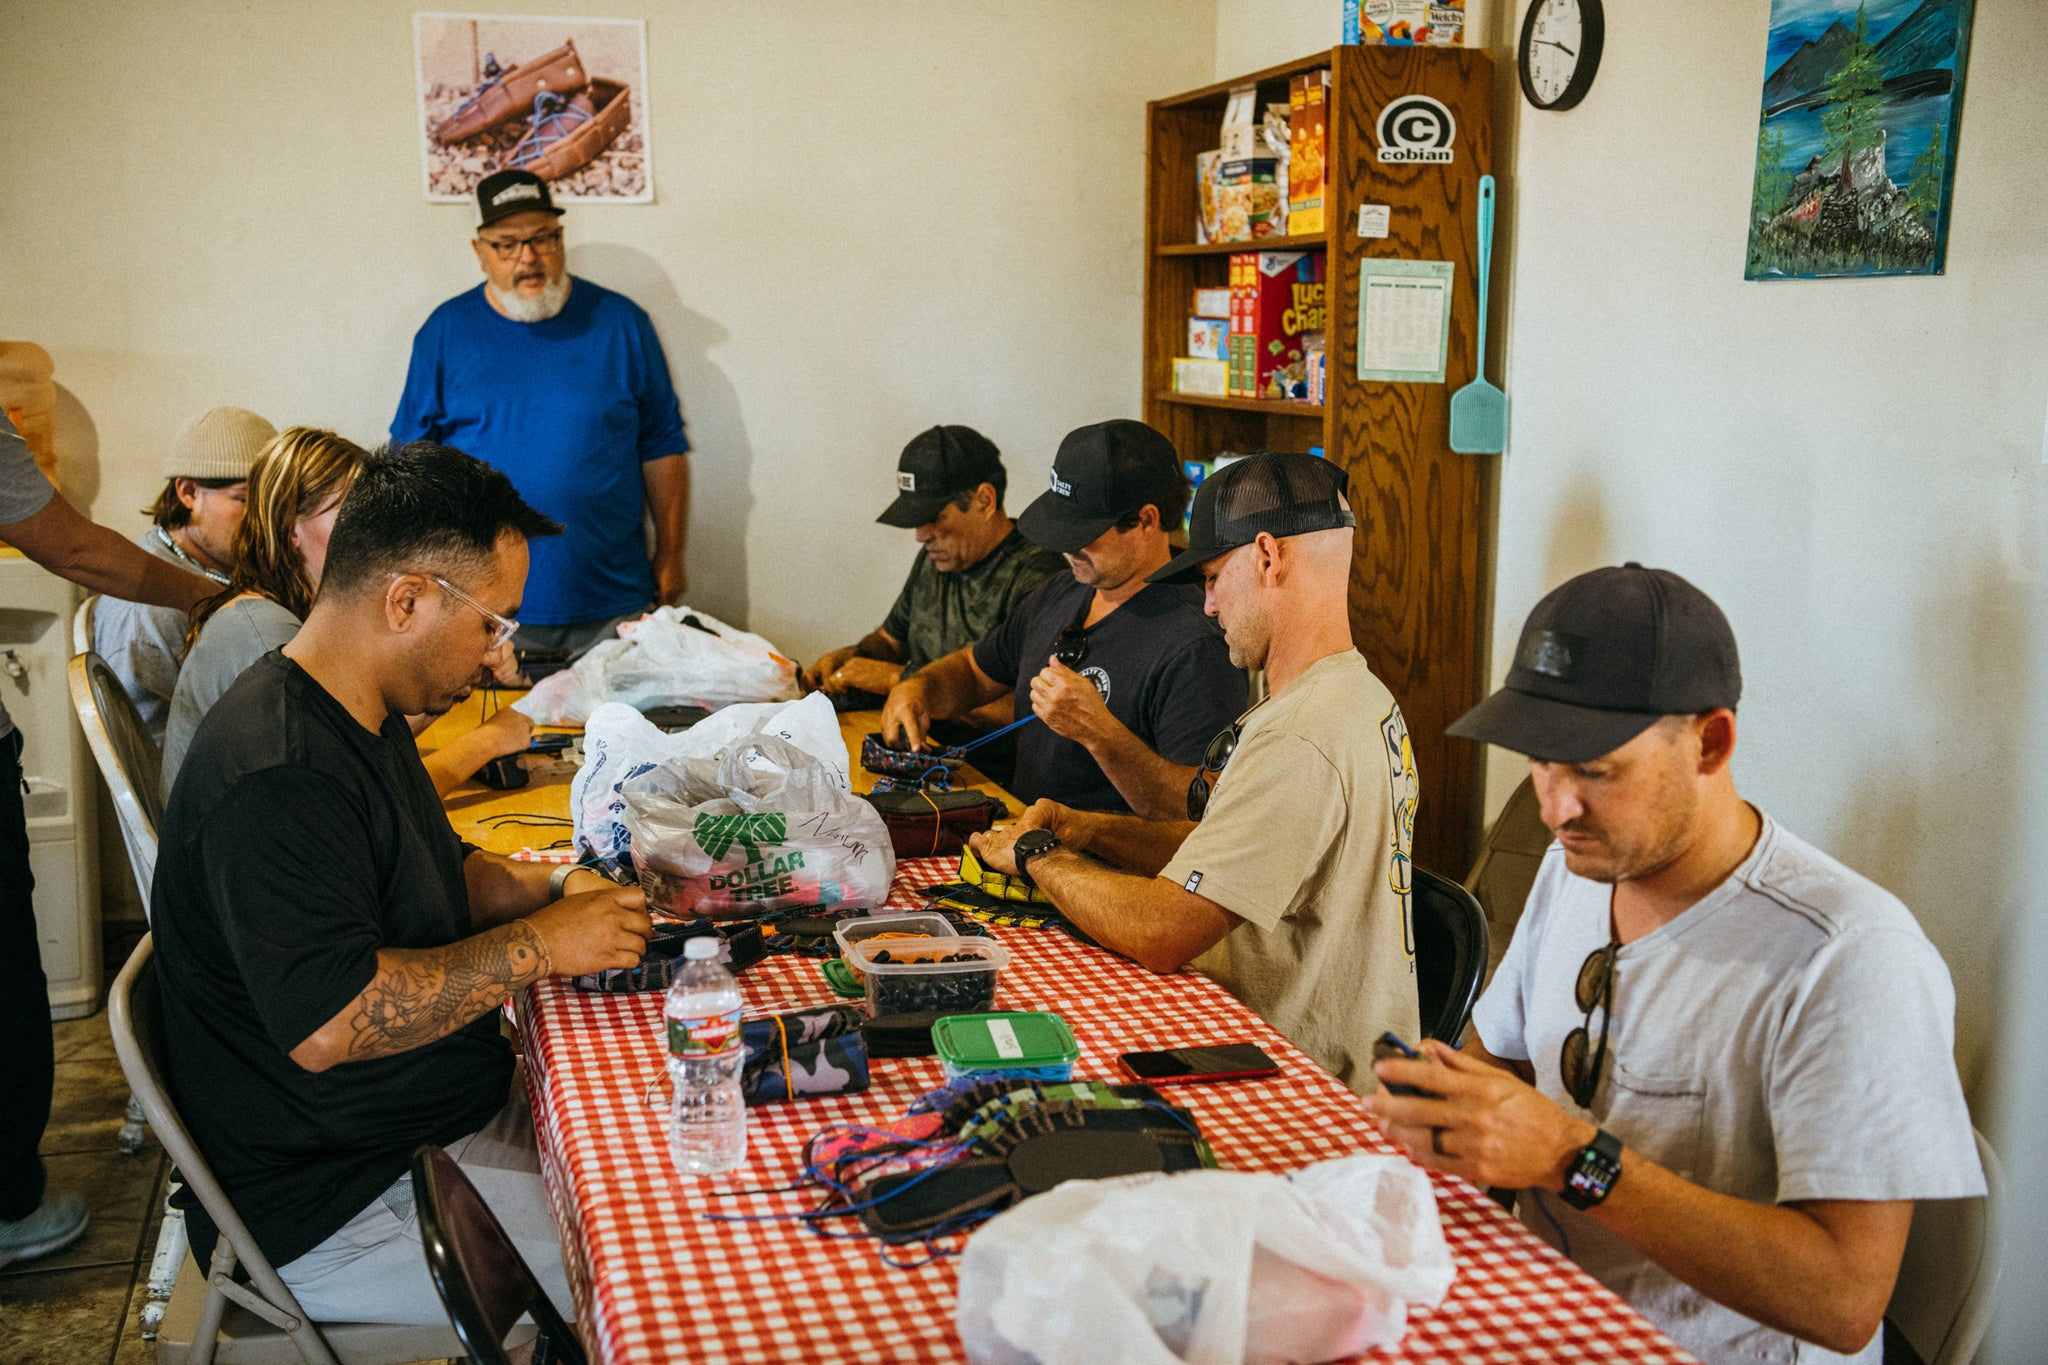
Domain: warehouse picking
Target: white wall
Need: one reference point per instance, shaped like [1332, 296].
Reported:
[871, 218]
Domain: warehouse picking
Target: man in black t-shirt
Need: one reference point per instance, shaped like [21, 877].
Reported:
[333, 957]
[1130, 680]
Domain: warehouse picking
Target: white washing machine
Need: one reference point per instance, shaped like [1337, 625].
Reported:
[35, 650]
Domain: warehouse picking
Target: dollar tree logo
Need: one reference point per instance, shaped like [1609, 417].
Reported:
[718, 833]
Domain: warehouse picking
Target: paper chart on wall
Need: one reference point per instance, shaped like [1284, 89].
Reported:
[1404, 320]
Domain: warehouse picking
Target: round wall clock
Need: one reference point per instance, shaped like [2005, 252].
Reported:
[1560, 51]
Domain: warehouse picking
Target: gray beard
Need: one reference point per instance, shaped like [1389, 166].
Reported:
[538, 308]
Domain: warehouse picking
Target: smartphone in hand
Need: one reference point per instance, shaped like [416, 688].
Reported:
[1390, 1045]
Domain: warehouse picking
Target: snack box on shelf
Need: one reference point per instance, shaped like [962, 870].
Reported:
[1197, 375]
[1276, 298]
[1209, 338]
[1212, 303]
[1308, 139]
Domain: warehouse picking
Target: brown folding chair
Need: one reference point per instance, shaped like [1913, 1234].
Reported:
[485, 1283]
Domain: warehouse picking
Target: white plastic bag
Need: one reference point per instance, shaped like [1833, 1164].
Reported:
[664, 659]
[619, 744]
[1206, 1268]
[757, 827]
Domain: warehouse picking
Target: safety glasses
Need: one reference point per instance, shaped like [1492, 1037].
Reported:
[1579, 1067]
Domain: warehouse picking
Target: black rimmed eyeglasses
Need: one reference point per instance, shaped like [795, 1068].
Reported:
[1581, 1061]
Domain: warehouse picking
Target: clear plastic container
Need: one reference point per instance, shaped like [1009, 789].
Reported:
[916, 976]
[863, 927]
[1021, 1045]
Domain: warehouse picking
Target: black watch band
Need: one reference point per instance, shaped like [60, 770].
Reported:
[1591, 1176]
[1029, 845]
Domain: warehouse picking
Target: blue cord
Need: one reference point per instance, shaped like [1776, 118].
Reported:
[1551, 1218]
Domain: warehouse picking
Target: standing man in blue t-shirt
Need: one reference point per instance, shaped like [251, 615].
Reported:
[563, 385]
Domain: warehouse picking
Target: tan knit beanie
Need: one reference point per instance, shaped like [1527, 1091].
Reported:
[220, 443]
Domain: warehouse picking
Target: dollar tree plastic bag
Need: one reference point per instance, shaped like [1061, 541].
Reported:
[619, 744]
[757, 827]
[1206, 1268]
[676, 656]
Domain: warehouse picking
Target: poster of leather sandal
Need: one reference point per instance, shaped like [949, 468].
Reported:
[563, 98]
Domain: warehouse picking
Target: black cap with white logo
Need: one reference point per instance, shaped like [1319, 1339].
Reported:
[504, 193]
[1102, 474]
[936, 467]
[1279, 492]
[1603, 658]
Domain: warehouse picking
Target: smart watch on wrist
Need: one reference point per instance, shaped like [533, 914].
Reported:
[1592, 1173]
[1029, 845]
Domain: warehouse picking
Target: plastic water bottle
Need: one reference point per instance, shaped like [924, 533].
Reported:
[707, 1125]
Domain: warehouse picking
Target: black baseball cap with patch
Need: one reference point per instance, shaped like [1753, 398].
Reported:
[1604, 657]
[504, 193]
[1282, 493]
[1100, 475]
[936, 467]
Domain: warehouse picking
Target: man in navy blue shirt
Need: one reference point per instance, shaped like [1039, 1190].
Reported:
[561, 384]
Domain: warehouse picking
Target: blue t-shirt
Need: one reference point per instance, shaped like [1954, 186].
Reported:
[568, 409]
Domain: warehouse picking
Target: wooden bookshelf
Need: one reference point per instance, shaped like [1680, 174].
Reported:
[1418, 601]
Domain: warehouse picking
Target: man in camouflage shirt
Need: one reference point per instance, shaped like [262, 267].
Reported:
[974, 569]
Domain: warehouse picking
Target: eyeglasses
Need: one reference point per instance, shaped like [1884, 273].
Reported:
[508, 248]
[1595, 989]
[1213, 758]
[502, 628]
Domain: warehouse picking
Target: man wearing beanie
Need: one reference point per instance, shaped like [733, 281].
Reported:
[206, 479]
[1717, 1064]
[975, 566]
[562, 385]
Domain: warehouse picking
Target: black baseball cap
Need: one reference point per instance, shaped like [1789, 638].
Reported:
[1280, 492]
[936, 467]
[504, 193]
[1100, 475]
[1604, 657]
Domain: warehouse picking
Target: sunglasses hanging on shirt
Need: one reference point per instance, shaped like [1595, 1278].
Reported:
[1213, 758]
[1595, 989]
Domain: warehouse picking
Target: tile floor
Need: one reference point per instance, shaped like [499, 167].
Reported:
[80, 1306]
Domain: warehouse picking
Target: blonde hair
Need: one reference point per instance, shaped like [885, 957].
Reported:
[295, 474]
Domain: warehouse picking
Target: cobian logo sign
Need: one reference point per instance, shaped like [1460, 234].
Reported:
[717, 833]
[1416, 128]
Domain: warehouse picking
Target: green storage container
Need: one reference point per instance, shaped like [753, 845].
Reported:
[1025, 1045]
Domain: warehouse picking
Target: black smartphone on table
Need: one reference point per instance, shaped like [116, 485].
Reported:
[1390, 1045]
[1191, 1065]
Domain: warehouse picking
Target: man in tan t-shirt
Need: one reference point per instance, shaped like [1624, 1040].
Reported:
[1292, 890]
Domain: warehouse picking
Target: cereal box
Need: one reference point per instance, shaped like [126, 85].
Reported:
[1208, 184]
[1409, 23]
[1194, 374]
[1275, 298]
[1249, 202]
[1209, 338]
[1308, 139]
[1212, 303]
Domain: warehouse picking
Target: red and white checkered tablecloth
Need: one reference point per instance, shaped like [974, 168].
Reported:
[655, 1282]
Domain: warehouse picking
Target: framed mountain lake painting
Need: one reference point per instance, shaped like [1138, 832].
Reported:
[1856, 143]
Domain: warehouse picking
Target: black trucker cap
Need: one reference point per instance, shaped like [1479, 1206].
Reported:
[1100, 475]
[1280, 492]
[1604, 657]
[504, 193]
[937, 466]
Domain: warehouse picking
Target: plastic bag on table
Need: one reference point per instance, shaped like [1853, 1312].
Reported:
[1206, 1268]
[758, 827]
[619, 744]
[671, 657]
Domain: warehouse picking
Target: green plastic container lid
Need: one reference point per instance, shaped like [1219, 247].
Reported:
[1004, 1039]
